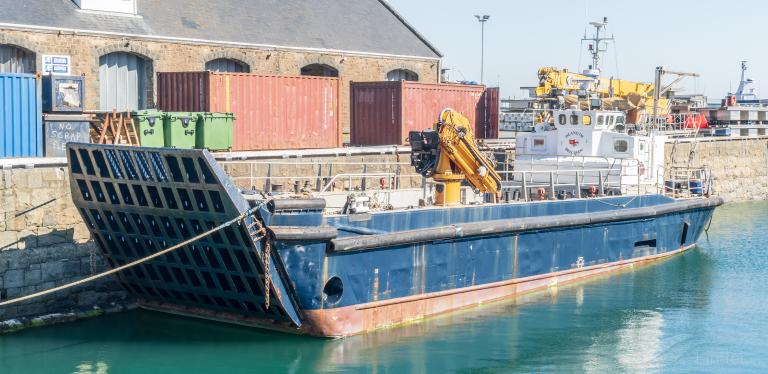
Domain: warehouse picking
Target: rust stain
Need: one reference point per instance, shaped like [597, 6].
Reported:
[514, 261]
[325, 279]
[376, 284]
[423, 286]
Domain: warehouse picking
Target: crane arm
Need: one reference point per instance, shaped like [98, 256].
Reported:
[458, 143]
[449, 154]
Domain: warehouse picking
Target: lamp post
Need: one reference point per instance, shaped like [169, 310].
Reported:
[482, 19]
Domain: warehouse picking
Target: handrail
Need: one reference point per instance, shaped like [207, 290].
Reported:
[357, 175]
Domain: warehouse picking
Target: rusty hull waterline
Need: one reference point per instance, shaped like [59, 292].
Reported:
[346, 321]
[357, 319]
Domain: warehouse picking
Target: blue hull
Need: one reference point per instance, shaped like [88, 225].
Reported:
[342, 275]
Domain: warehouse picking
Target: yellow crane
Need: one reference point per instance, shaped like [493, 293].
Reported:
[448, 153]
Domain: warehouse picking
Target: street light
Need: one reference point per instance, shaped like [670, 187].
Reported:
[482, 19]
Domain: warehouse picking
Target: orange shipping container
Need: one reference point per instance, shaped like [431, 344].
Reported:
[271, 112]
[384, 112]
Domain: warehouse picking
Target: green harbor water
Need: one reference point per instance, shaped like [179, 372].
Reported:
[703, 311]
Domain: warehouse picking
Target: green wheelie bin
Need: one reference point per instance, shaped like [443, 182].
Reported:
[149, 125]
[180, 129]
[215, 131]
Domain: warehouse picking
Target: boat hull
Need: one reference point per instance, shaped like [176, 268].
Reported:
[287, 266]
[357, 319]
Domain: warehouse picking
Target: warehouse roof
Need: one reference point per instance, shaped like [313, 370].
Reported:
[367, 26]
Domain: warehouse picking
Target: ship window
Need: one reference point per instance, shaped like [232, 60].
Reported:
[600, 120]
[620, 120]
[561, 119]
[574, 119]
[538, 143]
[586, 120]
[642, 145]
[620, 145]
[609, 120]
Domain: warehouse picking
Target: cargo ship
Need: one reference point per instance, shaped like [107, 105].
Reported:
[291, 263]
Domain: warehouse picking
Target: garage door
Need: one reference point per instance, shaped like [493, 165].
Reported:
[123, 82]
[16, 60]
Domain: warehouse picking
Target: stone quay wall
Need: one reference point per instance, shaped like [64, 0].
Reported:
[739, 167]
[43, 244]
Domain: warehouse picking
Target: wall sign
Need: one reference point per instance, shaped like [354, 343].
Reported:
[57, 65]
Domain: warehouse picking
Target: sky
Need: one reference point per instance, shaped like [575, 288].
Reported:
[706, 37]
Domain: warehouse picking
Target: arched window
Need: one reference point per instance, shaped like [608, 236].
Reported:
[402, 75]
[14, 59]
[319, 70]
[227, 65]
[124, 81]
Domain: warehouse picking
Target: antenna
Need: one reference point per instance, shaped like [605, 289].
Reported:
[597, 45]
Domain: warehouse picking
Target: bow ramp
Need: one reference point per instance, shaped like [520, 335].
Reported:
[138, 201]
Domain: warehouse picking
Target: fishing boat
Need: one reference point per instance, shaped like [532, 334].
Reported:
[195, 244]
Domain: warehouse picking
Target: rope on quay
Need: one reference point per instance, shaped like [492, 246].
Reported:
[130, 264]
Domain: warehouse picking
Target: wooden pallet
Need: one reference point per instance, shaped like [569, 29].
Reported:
[115, 128]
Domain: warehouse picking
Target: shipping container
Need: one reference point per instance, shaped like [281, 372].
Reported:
[271, 112]
[489, 129]
[383, 113]
[21, 123]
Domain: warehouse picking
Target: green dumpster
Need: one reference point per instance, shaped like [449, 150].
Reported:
[149, 125]
[180, 129]
[214, 131]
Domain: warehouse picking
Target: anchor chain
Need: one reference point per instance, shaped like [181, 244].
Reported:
[267, 273]
[258, 236]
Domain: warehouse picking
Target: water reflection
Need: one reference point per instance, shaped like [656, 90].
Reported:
[91, 368]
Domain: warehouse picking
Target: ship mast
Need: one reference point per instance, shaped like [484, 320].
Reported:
[743, 93]
[597, 46]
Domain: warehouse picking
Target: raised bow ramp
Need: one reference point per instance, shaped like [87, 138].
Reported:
[138, 201]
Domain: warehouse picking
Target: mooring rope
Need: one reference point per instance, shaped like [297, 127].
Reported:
[130, 264]
[618, 205]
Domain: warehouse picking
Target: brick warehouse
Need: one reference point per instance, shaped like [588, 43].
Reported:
[120, 45]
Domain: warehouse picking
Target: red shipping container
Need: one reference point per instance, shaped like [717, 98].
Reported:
[271, 112]
[385, 112]
[489, 129]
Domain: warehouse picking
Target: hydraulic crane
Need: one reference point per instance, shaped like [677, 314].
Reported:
[448, 153]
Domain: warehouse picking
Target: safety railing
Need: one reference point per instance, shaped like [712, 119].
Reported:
[562, 184]
[679, 124]
[682, 182]
[314, 176]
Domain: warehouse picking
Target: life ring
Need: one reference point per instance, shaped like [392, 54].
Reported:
[592, 191]
[542, 194]
[732, 101]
